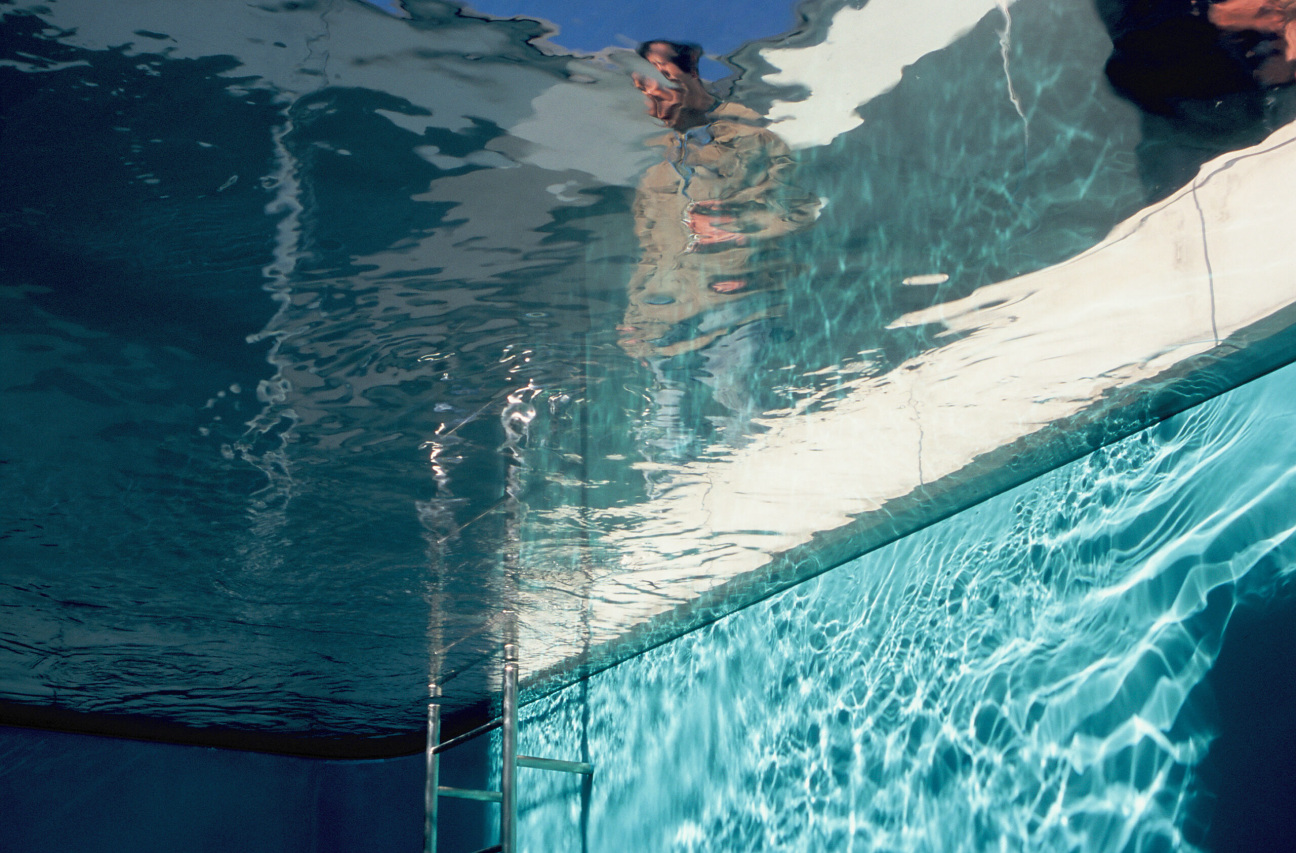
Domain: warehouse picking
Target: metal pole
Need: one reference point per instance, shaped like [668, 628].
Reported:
[467, 736]
[508, 770]
[581, 767]
[433, 774]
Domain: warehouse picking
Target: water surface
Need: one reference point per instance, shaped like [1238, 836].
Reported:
[335, 330]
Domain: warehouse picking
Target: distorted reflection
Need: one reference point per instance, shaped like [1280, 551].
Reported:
[354, 327]
[708, 291]
[1271, 25]
[1205, 75]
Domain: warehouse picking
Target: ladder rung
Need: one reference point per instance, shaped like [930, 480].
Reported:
[466, 736]
[510, 761]
[555, 764]
[470, 794]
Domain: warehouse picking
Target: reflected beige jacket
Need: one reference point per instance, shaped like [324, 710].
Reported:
[740, 171]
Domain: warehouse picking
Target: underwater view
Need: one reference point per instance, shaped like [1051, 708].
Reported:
[863, 421]
[1100, 659]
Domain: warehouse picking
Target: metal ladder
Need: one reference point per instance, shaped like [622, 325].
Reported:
[506, 796]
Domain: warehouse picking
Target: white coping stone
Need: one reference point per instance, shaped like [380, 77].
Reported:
[1037, 349]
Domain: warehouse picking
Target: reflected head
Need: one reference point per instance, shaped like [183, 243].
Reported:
[683, 101]
[684, 56]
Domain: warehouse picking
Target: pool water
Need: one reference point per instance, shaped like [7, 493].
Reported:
[339, 328]
[875, 440]
[1100, 659]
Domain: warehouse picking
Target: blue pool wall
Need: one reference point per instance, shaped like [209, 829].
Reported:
[1080, 663]
[62, 792]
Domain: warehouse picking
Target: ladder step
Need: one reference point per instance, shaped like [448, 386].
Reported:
[510, 761]
[470, 794]
[554, 764]
[467, 736]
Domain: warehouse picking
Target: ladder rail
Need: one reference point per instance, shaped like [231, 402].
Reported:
[431, 790]
[510, 761]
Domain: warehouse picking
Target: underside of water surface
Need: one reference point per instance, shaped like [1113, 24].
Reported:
[867, 419]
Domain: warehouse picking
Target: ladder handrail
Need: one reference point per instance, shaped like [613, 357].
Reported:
[510, 761]
[508, 748]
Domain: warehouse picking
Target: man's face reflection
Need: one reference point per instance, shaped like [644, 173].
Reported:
[678, 104]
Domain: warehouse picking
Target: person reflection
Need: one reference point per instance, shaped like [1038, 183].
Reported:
[1209, 77]
[706, 294]
[1274, 22]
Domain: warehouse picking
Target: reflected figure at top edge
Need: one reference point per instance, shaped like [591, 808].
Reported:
[1209, 77]
[708, 286]
[1275, 21]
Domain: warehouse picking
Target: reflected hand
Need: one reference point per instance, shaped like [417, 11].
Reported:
[662, 103]
[1276, 17]
[705, 221]
[1265, 16]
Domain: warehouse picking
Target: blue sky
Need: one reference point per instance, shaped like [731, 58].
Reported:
[720, 26]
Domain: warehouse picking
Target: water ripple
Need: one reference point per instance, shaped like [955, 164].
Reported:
[1027, 675]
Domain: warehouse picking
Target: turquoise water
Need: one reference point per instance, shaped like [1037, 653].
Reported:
[344, 341]
[1035, 673]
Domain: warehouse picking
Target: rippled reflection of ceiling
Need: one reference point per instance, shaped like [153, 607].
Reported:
[312, 364]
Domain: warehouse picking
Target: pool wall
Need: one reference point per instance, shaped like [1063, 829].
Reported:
[61, 792]
[1042, 671]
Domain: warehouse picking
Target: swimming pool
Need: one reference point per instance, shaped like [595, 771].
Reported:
[1089, 661]
[345, 341]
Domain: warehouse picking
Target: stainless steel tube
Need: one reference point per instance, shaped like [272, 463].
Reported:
[467, 736]
[581, 767]
[433, 776]
[508, 769]
[470, 794]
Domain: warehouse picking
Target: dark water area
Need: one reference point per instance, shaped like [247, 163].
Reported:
[1248, 770]
[66, 791]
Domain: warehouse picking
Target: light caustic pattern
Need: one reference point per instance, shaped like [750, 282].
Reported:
[1027, 675]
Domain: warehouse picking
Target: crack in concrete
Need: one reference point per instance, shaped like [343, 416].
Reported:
[1210, 272]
